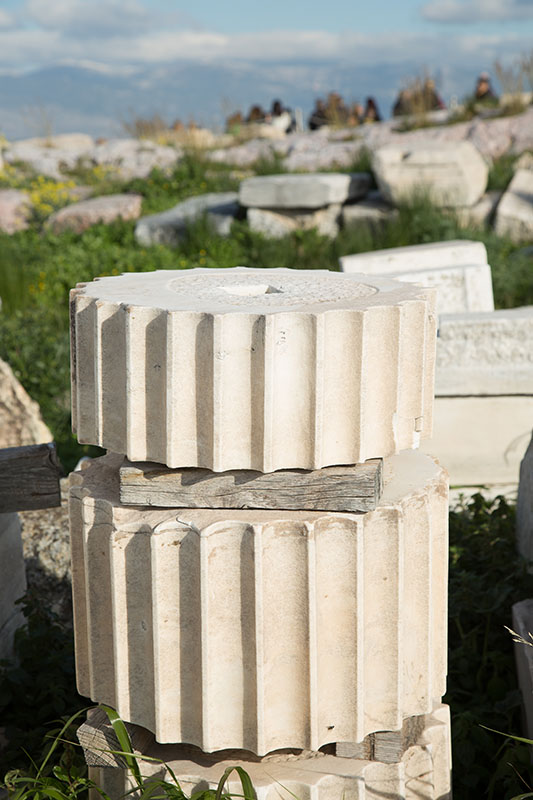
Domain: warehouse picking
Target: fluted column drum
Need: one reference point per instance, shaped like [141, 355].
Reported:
[262, 630]
[260, 369]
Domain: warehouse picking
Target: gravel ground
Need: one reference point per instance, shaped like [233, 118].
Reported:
[46, 544]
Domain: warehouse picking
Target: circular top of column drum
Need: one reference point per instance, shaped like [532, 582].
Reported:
[259, 369]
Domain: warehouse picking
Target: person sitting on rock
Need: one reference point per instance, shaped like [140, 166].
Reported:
[280, 117]
[256, 114]
[430, 97]
[356, 113]
[336, 110]
[371, 112]
[318, 116]
[234, 122]
[403, 105]
[484, 92]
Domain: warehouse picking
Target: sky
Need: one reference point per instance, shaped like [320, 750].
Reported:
[123, 34]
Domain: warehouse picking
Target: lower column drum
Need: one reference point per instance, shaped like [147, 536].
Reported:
[262, 630]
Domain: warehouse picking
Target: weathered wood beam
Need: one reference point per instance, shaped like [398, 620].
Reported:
[385, 746]
[348, 488]
[100, 743]
[29, 478]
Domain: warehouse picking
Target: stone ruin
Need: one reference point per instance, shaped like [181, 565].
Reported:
[260, 561]
[484, 369]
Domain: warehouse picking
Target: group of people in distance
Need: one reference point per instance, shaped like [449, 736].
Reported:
[278, 117]
[334, 111]
[420, 97]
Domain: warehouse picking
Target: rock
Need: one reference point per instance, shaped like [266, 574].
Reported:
[78, 217]
[373, 210]
[482, 213]
[456, 252]
[524, 162]
[243, 155]
[53, 155]
[77, 142]
[20, 418]
[453, 174]
[15, 209]
[275, 223]
[12, 581]
[514, 216]
[46, 547]
[134, 158]
[169, 227]
[302, 191]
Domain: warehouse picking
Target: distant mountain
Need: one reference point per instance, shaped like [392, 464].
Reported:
[64, 99]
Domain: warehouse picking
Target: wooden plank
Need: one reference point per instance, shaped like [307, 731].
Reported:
[349, 488]
[100, 743]
[29, 478]
[385, 746]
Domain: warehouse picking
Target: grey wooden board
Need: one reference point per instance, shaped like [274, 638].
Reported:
[100, 743]
[29, 478]
[385, 746]
[349, 488]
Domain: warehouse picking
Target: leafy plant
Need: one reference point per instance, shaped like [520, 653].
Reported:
[37, 685]
[66, 780]
[486, 578]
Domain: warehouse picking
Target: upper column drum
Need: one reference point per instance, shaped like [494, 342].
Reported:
[260, 369]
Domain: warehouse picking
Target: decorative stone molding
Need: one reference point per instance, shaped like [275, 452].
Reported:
[455, 253]
[485, 354]
[262, 629]
[423, 773]
[460, 286]
[261, 369]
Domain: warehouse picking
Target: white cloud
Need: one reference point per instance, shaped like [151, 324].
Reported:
[82, 18]
[477, 10]
[121, 52]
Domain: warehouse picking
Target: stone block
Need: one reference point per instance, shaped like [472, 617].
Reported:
[523, 625]
[424, 772]
[457, 252]
[524, 506]
[485, 353]
[451, 173]
[481, 440]
[262, 629]
[303, 191]
[459, 288]
[12, 581]
[514, 216]
[240, 368]
[276, 224]
[78, 217]
[372, 211]
[169, 227]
